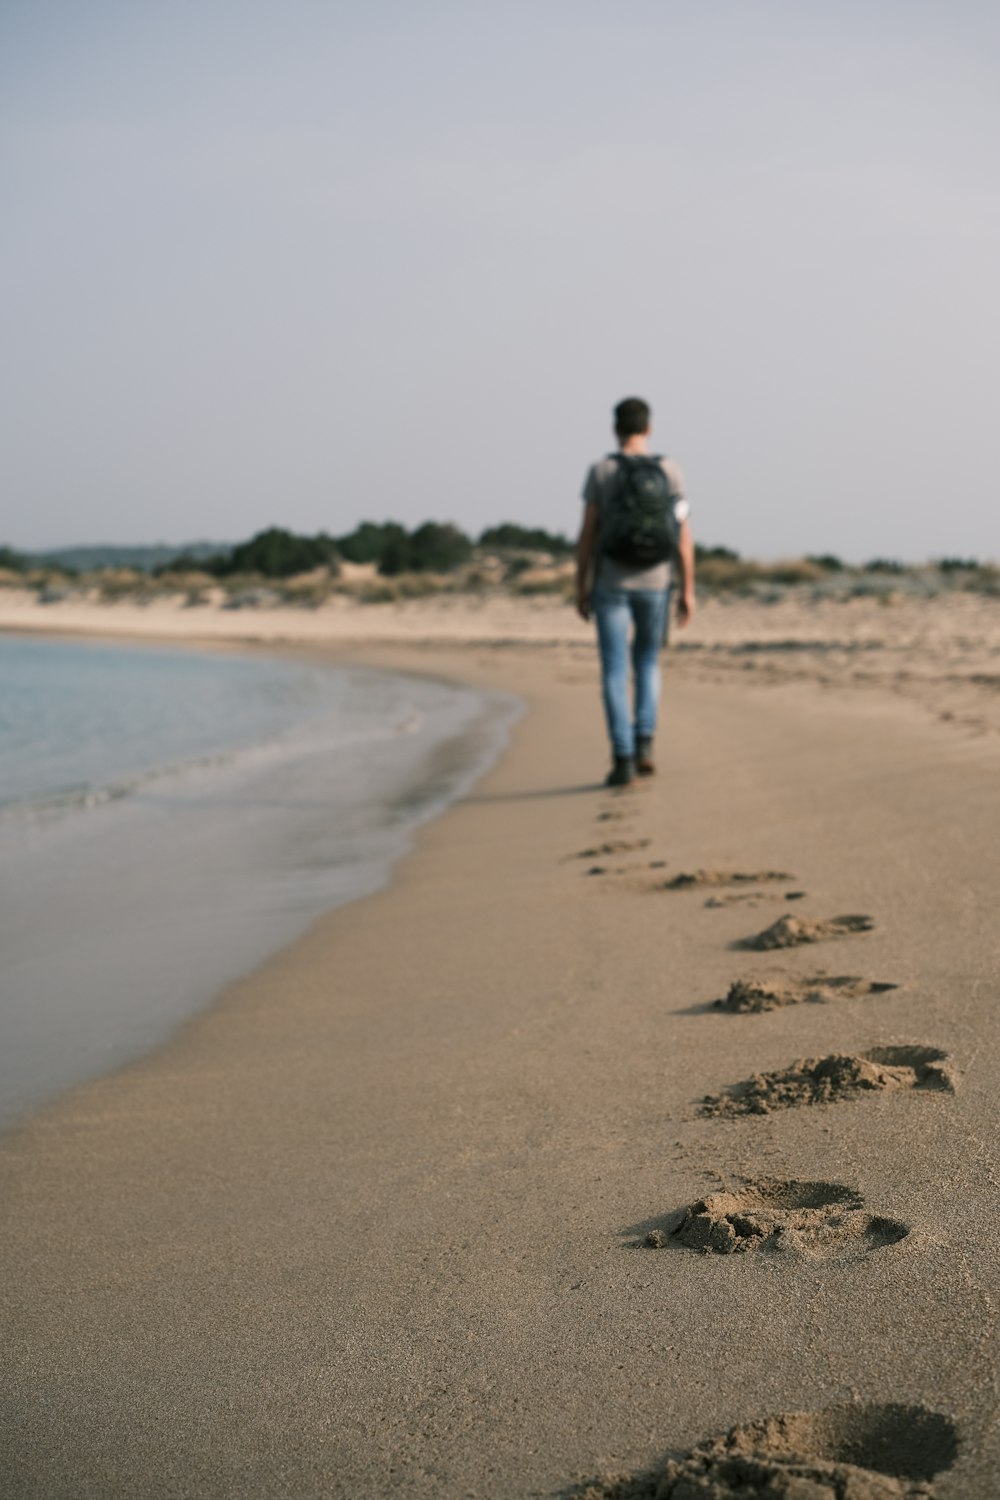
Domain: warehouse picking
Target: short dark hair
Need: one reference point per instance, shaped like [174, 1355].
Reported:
[632, 417]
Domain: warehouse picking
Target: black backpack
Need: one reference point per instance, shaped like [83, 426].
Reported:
[637, 520]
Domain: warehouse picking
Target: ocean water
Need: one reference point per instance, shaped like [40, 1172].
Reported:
[169, 818]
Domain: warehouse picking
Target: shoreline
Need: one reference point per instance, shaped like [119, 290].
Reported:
[939, 653]
[393, 1242]
[214, 849]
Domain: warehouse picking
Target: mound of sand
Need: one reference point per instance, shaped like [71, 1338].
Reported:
[827, 1080]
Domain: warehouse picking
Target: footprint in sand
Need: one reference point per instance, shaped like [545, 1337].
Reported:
[613, 846]
[828, 1080]
[753, 898]
[791, 932]
[653, 864]
[770, 993]
[696, 879]
[820, 1220]
[850, 1452]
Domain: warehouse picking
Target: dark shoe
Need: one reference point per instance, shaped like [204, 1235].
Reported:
[644, 765]
[621, 772]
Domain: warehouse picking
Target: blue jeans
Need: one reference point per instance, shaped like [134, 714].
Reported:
[615, 610]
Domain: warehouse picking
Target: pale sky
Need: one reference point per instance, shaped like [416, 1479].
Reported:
[306, 263]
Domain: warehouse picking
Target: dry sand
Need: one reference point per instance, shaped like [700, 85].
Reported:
[374, 1224]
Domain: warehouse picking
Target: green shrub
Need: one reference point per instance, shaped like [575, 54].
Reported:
[435, 547]
[828, 561]
[395, 557]
[189, 562]
[712, 554]
[274, 553]
[529, 538]
[798, 570]
[368, 542]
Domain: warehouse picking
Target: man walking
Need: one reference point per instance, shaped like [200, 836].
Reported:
[635, 530]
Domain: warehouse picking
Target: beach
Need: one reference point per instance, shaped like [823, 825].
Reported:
[398, 1214]
[186, 784]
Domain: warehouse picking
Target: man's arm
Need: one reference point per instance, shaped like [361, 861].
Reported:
[685, 569]
[586, 550]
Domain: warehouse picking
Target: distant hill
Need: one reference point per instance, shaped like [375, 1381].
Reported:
[85, 559]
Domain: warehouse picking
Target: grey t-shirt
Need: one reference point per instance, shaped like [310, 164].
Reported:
[597, 487]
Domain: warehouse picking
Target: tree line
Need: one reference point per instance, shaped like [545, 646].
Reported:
[432, 547]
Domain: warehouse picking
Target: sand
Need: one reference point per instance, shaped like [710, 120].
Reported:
[375, 1223]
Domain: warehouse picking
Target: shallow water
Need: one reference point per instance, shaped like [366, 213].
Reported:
[168, 819]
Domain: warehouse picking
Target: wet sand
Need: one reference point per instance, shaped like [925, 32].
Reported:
[379, 1222]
